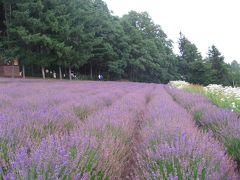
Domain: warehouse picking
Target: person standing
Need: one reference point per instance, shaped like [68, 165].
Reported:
[54, 75]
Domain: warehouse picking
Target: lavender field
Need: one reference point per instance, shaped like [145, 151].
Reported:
[113, 130]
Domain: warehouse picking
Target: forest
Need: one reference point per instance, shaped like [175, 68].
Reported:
[84, 37]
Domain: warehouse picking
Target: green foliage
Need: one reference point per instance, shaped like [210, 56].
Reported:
[191, 65]
[197, 116]
[87, 164]
[4, 157]
[188, 51]
[221, 99]
[83, 36]
[225, 101]
[4, 150]
[32, 173]
[35, 133]
[114, 131]
[232, 144]
[150, 56]
[69, 126]
[212, 70]
[173, 168]
[234, 73]
[73, 152]
[194, 88]
[233, 148]
[49, 128]
[82, 112]
[218, 72]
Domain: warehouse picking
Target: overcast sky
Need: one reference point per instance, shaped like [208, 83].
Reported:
[203, 22]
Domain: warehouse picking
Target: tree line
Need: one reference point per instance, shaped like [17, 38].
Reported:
[83, 36]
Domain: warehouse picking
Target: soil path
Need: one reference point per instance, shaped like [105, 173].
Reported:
[132, 168]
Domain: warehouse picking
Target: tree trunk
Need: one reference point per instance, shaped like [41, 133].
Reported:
[8, 16]
[23, 72]
[70, 73]
[10, 13]
[7, 23]
[91, 71]
[131, 72]
[65, 72]
[32, 72]
[43, 73]
[60, 72]
[233, 83]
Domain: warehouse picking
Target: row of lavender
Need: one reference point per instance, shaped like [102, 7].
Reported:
[222, 123]
[48, 130]
[176, 148]
[102, 130]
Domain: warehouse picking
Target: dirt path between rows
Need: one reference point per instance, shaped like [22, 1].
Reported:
[132, 168]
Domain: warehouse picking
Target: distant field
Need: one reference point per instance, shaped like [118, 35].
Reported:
[112, 130]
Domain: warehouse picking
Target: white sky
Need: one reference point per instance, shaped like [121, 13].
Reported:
[203, 22]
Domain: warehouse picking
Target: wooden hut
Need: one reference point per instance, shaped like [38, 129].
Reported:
[10, 69]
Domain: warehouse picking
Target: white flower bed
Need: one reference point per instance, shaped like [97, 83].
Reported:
[226, 91]
[226, 94]
[214, 88]
[179, 84]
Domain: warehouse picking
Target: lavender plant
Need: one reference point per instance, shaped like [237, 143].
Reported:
[223, 123]
[176, 149]
[103, 130]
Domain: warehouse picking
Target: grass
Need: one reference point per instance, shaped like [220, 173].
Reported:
[219, 99]
[82, 112]
[224, 101]
[233, 148]
[194, 88]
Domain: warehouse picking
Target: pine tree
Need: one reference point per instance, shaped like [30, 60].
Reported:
[189, 59]
[219, 72]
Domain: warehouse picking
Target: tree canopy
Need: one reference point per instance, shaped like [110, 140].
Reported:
[83, 36]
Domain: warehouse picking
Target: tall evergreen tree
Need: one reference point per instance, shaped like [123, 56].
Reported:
[218, 72]
[189, 61]
[78, 35]
[188, 50]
